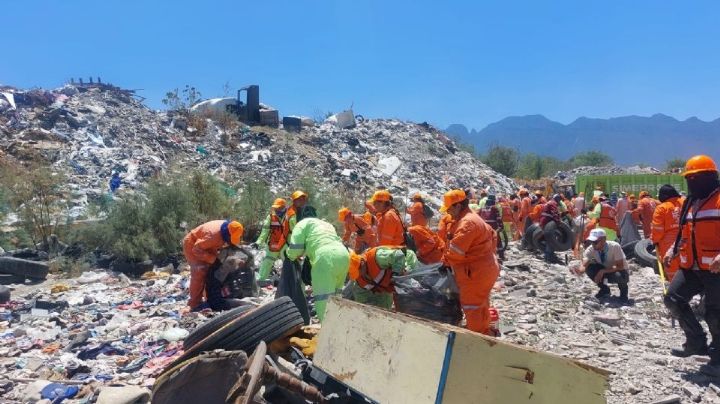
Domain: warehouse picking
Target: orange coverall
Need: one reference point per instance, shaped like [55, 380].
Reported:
[430, 248]
[644, 212]
[201, 247]
[363, 241]
[471, 254]
[665, 228]
[390, 229]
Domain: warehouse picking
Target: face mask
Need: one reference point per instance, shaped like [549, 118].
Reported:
[701, 185]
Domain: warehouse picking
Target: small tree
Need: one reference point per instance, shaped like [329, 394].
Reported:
[591, 158]
[37, 195]
[502, 159]
[675, 165]
[181, 100]
[253, 205]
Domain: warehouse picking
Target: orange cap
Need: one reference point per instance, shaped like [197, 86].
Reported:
[236, 232]
[698, 164]
[417, 196]
[523, 191]
[343, 214]
[644, 194]
[382, 196]
[354, 270]
[297, 195]
[538, 192]
[278, 203]
[451, 198]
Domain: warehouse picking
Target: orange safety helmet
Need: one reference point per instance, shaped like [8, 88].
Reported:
[451, 198]
[643, 194]
[698, 164]
[278, 203]
[343, 214]
[417, 197]
[539, 193]
[236, 232]
[523, 191]
[297, 195]
[381, 196]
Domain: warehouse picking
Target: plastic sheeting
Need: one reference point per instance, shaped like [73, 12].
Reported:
[428, 294]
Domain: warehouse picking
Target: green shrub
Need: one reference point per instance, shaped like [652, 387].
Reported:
[502, 159]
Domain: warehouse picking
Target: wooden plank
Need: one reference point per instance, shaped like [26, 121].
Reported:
[487, 370]
[394, 358]
[390, 358]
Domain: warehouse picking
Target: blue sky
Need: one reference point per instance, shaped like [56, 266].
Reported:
[472, 62]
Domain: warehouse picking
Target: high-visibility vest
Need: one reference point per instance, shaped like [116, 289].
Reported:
[277, 234]
[491, 216]
[375, 279]
[286, 222]
[607, 216]
[700, 243]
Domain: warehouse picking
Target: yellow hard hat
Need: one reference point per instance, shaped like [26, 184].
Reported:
[297, 195]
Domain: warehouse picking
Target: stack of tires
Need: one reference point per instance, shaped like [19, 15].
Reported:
[558, 236]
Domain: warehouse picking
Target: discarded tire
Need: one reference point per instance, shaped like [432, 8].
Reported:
[23, 267]
[558, 236]
[645, 253]
[629, 249]
[213, 325]
[528, 242]
[538, 239]
[10, 279]
[244, 332]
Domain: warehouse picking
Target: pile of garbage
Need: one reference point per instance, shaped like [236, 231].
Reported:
[96, 330]
[89, 131]
[606, 170]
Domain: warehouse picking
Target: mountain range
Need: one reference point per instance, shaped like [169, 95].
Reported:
[628, 140]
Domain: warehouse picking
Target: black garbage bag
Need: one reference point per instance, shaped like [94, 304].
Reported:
[429, 295]
[291, 286]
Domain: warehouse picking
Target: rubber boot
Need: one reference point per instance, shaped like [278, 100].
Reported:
[696, 342]
[603, 292]
[623, 286]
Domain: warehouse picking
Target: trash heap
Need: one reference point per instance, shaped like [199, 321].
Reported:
[89, 131]
[607, 170]
[99, 329]
[548, 308]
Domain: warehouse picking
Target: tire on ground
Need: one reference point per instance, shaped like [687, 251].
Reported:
[244, 332]
[22, 267]
[528, 236]
[212, 325]
[643, 254]
[10, 279]
[629, 249]
[559, 236]
[538, 239]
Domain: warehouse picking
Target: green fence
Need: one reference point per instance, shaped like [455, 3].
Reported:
[630, 183]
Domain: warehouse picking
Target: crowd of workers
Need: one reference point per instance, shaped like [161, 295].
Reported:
[377, 244]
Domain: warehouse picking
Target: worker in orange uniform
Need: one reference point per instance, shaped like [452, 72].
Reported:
[416, 210]
[517, 224]
[390, 230]
[365, 236]
[471, 255]
[507, 217]
[430, 247]
[525, 207]
[540, 196]
[444, 227]
[201, 247]
[537, 208]
[644, 212]
[666, 225]
[699, 251]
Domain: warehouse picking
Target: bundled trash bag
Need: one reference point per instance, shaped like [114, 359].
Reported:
[429, 295]
[291, 286]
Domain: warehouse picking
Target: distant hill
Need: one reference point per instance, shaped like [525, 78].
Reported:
[629, 139]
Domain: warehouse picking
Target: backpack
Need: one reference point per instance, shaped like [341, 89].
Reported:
[428, 212]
